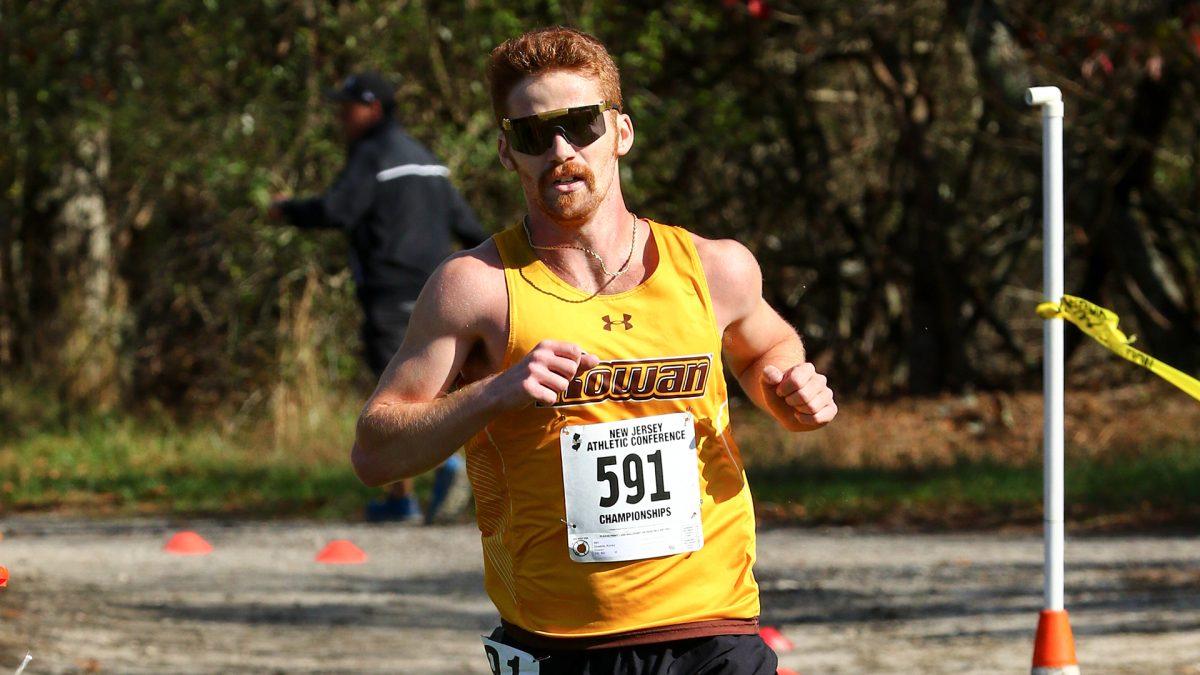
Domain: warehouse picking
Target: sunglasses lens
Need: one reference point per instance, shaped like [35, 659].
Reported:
[533, 135]
[527, 136]
[582, 127]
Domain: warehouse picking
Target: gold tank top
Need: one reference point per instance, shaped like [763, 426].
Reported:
[660, 352]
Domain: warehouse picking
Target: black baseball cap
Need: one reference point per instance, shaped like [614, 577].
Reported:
[366, 87]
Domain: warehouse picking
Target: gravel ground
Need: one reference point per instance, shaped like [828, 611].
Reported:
[101, 596]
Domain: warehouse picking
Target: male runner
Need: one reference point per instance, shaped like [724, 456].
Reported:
[578, 354]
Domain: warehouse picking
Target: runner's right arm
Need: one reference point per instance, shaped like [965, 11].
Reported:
[413, 422]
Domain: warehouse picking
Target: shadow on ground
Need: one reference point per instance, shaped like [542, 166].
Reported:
[450, 601]
[1122, 593]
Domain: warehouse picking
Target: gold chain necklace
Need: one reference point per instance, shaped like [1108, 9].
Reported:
[603, 267]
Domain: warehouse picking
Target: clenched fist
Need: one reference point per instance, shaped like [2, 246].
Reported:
[543, 374]
[805, 391]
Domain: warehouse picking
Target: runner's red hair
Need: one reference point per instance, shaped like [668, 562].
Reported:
[545, 50]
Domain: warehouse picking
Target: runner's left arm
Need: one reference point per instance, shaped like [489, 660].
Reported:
[763, 351]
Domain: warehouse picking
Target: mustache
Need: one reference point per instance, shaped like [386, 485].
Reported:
[565, 171]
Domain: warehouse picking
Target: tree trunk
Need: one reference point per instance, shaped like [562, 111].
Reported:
[92, 303]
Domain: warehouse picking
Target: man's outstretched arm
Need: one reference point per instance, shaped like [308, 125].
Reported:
[341, 206]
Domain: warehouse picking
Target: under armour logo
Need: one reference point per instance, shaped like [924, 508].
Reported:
[624, 322]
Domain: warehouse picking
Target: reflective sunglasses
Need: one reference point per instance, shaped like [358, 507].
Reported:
[581, 126]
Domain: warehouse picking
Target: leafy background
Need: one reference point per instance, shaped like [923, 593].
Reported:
[876, 156]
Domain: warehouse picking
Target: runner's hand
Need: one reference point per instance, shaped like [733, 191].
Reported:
[543, 374]
[805, 391]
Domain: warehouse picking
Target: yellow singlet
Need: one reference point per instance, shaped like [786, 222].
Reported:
[664, 335]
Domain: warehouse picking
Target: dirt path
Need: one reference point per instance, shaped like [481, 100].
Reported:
[101, 596]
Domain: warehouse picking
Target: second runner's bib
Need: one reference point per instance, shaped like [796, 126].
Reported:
[632, 488]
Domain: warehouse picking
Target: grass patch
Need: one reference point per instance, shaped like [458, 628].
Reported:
[1157, 485]
[924, 464]
[126, 467]
[120, 465]
[863, 494]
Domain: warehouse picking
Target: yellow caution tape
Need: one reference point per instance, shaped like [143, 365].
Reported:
[1101, 324]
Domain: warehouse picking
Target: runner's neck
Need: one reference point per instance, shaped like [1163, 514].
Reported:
[611, 236]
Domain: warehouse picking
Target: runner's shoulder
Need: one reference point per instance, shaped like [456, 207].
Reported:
[728, 265]
[468, 287]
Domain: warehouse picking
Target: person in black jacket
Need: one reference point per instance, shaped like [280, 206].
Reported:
[396, 205]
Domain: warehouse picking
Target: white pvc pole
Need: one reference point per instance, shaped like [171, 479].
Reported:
[1050, 99]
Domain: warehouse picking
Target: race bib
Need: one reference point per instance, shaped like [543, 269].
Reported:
[632, 488]
[506, 660]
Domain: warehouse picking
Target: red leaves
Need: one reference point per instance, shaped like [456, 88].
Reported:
[1098, 62]
[755, 8]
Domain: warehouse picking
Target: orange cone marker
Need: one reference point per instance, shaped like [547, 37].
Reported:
[188, 543]
[3, 576]
[786, 671]
[341, 552]
[775, 640]
[1054, 649]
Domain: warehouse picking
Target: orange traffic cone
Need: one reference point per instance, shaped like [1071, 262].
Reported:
[3, 576]
[341, 552]
[786, 671]
[775, 640]
[188, 543]
[1054, 649]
